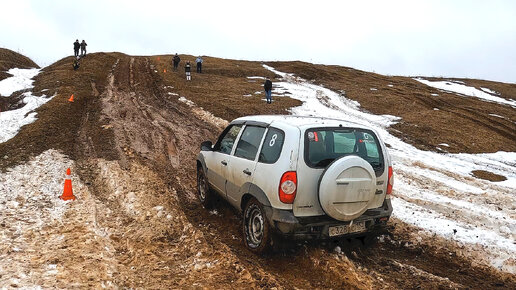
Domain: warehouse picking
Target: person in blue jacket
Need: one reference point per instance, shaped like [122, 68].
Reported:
[198, 60]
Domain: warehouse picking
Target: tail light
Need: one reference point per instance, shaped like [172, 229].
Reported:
[390, 181]
[288, 187]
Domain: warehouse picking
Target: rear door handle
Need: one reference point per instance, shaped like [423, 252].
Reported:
[224, 162]
[246, 171]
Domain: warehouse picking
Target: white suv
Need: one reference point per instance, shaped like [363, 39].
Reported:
[298, 177]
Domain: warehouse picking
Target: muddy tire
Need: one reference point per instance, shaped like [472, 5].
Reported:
[257, 234]
[204, 192]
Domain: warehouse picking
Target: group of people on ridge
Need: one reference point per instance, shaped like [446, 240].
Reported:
[188, 68]
[76, 47]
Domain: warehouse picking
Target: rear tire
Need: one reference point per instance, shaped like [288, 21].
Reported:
[204, 192]
[257, 233]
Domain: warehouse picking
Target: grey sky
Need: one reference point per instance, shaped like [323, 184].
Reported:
[475, 39]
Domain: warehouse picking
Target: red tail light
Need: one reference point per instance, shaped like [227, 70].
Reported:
[288, 187]
[390, 181]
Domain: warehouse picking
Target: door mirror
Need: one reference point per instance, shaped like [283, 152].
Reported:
[206, 146]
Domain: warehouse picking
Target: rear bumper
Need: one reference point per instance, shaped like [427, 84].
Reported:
[306, 228]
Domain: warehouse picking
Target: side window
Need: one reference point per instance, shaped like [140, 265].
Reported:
[226, 140]
[249, 142]
[272, 146]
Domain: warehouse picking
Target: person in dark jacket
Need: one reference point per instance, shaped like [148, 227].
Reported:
[83, 48]
[76, 46]
[176, 61]
[187, 71]
[268, 90]
[199, 64]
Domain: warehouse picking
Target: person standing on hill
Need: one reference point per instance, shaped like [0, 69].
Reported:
[83, 48]
[76, 63]
[76, 46]
[268, 90]
[176, 61]
[187, 71]
[199, 64]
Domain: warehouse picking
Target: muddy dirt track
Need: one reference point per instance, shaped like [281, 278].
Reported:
[135, 143]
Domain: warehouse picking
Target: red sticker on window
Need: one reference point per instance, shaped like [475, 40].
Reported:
[316, 138]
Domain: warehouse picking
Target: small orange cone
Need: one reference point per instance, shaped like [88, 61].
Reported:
[71, 98]
[67, 192]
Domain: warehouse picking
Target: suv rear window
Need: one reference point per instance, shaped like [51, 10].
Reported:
[323, 145]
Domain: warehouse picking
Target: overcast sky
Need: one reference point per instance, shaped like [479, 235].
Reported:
[475, 39]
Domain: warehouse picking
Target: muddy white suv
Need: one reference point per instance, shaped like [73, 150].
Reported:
[298, 177]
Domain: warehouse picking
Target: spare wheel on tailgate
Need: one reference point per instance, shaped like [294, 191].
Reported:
[346, 188]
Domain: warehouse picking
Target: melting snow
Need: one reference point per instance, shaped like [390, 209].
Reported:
[433, 191]
[498, 116]
[489, 91]
[21, 80]
[462, 89]
[11, 121]
[29, 206]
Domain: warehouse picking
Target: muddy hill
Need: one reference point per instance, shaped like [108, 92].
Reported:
[134, 129]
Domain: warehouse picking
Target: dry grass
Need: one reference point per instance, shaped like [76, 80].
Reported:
[488, 175]
[10, 59]
[220, 89]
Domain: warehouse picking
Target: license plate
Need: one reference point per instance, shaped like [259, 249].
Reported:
[346, 229]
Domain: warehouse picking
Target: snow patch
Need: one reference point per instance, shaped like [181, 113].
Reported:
[21, 80]
[489, 91]
[29, 206]
[186, 101]
[12, 121]
[462, 89]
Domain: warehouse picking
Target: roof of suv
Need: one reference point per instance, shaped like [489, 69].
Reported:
[301, 121]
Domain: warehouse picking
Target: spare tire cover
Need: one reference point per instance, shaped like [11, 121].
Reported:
[347, 187]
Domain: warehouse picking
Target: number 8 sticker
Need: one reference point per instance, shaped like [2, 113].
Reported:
[273, 140]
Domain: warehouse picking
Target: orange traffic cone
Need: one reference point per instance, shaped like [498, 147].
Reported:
[67, 192]
[71, 98]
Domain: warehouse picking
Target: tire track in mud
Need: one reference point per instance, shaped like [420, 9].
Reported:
[152, 251]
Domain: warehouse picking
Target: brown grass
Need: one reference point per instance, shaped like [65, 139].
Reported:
[488, 175]
[10, 59]
[220, 89]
